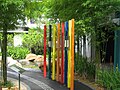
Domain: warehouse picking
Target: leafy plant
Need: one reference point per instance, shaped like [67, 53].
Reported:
[1, 36]
[17, 52]
[85, 68]
[10, 40]
[34, 41]
[10, 12]
[8, 84]
[91, 70]
[109, 79]
[0, 54]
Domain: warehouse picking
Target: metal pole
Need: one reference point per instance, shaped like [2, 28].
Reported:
[49, 64]
[19, 81]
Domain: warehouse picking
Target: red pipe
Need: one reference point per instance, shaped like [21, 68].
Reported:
[45, 50]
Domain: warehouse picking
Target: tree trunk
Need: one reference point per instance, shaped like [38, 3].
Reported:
[4, 54]
[93, 47]
[84, 46]
[78, 48]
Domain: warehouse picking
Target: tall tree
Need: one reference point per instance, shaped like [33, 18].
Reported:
[90, 15]
[34, 11]
[10, 12]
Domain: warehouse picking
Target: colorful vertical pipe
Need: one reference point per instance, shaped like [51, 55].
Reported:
[49, 58]
[72, 57]
[54, 47]
[62, 60]
[58, 51]
[69, 56]
[66, 54]
[45, 50]
[117, 50]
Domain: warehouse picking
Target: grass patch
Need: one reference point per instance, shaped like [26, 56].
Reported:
[31, 65]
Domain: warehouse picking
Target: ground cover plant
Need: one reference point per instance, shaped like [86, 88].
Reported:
[85, 68]
[17, 52]
[109, 79]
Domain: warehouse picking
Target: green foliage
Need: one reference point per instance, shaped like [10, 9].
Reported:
[0, 54]
[85, 10]
[90, 15]
[91, 70]
[11, 15]
[0, 36]
[8, 84]
[34, 41]
[17, 52]
[10, 40]
[34, 9]
[10, 12]
[85, 68]
[80, 65]
[109, 79]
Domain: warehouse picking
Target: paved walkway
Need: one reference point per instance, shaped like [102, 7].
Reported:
[36, 81]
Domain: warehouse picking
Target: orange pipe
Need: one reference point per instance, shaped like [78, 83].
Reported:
[72, 57]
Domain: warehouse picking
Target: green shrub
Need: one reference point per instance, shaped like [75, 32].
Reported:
[85, 68]
[10, 40]
[81, 65]
[109, 79]
[9, 84]
[91, 70]
[34, 41]
[0, 54]
[17, 52]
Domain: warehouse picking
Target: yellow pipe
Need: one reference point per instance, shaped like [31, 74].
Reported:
[54, 47]
[69, 55]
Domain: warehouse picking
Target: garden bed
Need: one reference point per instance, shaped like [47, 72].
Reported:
[8, 86]
[13, 85]
[12, 88]
[85, 84]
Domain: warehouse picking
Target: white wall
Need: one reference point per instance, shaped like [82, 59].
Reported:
[17, 40]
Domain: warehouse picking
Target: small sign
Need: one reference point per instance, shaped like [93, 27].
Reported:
[17, 69]
[67, 43]
[50, 44]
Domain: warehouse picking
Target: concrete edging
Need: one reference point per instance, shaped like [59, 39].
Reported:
[79, 85]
